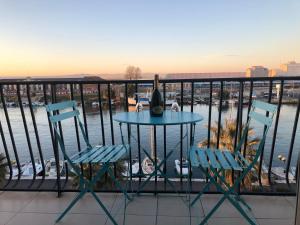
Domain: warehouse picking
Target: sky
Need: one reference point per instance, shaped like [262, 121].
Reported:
[59, 37]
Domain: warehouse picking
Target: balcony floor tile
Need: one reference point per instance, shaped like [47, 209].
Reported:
[5, 217]
[173, 205]
[270, 207]
[15, 201]
[28, 208]
[144, 204]
[33, 219]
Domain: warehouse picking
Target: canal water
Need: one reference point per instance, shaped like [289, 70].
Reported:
[286, 122]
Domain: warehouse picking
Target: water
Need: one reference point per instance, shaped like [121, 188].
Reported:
[286, 122]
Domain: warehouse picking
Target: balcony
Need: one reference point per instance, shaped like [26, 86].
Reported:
[35, 208]
[28, 143]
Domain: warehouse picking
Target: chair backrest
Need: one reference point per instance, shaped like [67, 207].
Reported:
[69, 111]
[262, 113]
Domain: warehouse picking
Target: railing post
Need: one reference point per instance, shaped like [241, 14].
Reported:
[297, 214]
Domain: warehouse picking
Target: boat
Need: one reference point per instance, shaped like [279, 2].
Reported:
[145, 99]
[27, 169]
[171, 101]
[51, 167]
[37, 104]
[185, 167]
[148, 166]
[280, 174]
[10, 104]
[134, 168]
[95, 104]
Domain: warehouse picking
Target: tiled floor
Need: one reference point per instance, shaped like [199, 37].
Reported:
[33, 208]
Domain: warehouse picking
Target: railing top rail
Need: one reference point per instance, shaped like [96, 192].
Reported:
[224, 79]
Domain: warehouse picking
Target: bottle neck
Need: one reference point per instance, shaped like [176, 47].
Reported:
[156, 82]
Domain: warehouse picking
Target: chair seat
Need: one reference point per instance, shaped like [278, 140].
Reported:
[100, 154]
[218, 159]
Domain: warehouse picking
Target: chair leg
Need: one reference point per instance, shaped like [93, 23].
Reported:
[213, 210]
[227, 194]
[241, 210]
[201, 193]
[104, 208]
[79, 196]
[119, 185]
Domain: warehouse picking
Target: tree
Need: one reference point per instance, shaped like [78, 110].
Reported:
[227, 139]
[3, 165]
[133, 73]
[105, 181]
[225, 94]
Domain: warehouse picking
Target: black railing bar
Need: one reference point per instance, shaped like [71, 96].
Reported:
[63, 140]
[83, 111]
[228, 79]
[241, 110]
[10, 133]
[240, 122]
[76, 126]
[209, 118]
[209, 114]
[111, 122]
[192, 107]
[75, 121]
[36, 132]
[249, 108]
[191, 139]
[48, 114]
[26, 134]
[138, 140]
[110, 114]
[181, 132]
[6, 155]
[287, 169]
[275, 131]
[56, 151]
[101, 114]
[128, 136]
[85, 124]
[263, 149]
[165, 137]
[220, 114]
[155, 156]
[236, 135]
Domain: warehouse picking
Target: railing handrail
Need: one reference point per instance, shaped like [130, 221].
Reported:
[51, 89]
[120, 81]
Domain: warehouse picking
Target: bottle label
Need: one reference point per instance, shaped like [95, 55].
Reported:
[157, 110]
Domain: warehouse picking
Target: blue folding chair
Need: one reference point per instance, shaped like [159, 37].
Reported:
[214, 162]
[103, 155]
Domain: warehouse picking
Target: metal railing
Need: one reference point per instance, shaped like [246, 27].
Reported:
[101, 99]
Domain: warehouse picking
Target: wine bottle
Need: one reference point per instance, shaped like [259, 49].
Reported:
[156, 104]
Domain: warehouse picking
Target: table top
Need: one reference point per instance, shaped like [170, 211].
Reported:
[168, 118]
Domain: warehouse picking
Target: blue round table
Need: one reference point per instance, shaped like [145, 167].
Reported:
[168, 118]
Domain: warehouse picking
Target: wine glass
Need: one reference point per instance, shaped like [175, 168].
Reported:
[139, 107]
[175, 107]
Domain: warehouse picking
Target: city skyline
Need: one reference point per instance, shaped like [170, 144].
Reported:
[59, 38]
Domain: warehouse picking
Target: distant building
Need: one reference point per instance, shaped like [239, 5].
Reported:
[61, 88]
[290, 69]
[204, 75]
[257, 71]
[176, 76]
[276, 73]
